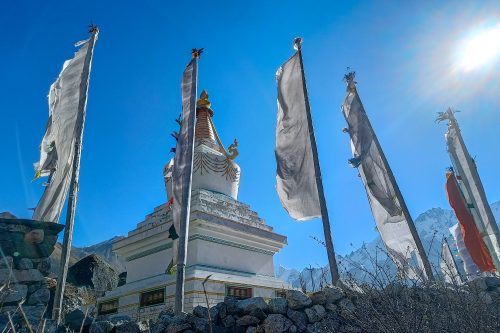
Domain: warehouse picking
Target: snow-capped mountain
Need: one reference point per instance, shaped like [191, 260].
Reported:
[432, 226]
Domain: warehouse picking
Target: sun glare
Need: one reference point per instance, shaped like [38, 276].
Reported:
[480, 49]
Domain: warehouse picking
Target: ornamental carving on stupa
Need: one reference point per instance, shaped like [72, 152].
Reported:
[214, 168]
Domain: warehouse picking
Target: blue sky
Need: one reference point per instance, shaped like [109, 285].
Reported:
[404, 52]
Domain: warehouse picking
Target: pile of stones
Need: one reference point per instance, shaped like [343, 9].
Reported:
[25, 284]
[324, 311]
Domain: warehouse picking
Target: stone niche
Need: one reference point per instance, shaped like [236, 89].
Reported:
[24, 266]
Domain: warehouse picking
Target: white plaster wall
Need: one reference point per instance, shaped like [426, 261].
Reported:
[148, 266]
[225, 256]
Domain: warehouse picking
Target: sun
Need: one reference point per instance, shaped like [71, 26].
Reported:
[480, 48]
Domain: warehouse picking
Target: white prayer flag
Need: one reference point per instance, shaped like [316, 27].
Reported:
[67, 105]
[448, 266]
[296, 179]
[385, 204]
[183, 161]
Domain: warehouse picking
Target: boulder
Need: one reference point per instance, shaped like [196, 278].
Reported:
[119, 319]
[250, 304]
[331, 307]
[44, 266]
[276, 323]
[24, 263]
[74, 319]
[104, 326]
[315, 313]
[14, 293]
[177, 327]
[231, 305]
[278, 305]
[297, 300]
[6, 262]
[94, 272]
[228, 321]
[40, 296]
[247, 320]
[328, 295]
[221, 310]
[251, 329]
[200, 311]
[298, 318]
[129, 327]
[199, 325]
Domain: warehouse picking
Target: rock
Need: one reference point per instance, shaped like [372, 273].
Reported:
[221, 309]
[247, 320]
[25, 275]
[492, 282]
[228, 321]
[166, 313]
[176, 328]
[346, 306]
[74, 319]
[40, 296]
[24, 263]
[200, 311]
[248, 305]
[315, 313]
[101, 327]
[119, 319]
[44, 266]
[333, 294]
[276, 323]
[6, 262]
[14, 293]
[214, 314]
[130, 327]
[293, 329]
[220, 329]
[200, 325]
[298, 318]
[331, 307]
[278, 305]
[93, 271]
[258, 313]
[33, 313]
[251, 329]
[297, 300]
[231, 305]
[238, 329]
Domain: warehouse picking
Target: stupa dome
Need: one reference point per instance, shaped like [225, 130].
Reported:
[214, 168]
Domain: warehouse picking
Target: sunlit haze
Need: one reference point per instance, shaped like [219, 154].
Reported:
[480, 48]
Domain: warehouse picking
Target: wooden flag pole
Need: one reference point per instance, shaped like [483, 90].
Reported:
[319, 182]
[73, 195]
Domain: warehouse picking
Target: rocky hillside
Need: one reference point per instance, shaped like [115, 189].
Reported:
[432, 227]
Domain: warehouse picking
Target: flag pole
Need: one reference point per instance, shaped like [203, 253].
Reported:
[73, 191]
[404, 208]
[185, 215]
[453, 258]
[319, 182]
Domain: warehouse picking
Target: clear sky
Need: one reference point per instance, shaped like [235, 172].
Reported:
[405, 54]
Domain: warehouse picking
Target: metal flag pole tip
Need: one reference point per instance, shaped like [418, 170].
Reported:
[297, 43]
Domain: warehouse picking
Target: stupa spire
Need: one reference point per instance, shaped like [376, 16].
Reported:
[205, 131]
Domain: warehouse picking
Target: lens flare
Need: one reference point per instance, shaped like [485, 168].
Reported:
[480, 49]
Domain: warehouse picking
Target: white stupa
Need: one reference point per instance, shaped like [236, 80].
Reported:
[227, 240]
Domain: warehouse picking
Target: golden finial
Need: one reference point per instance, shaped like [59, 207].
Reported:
[203, 102]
